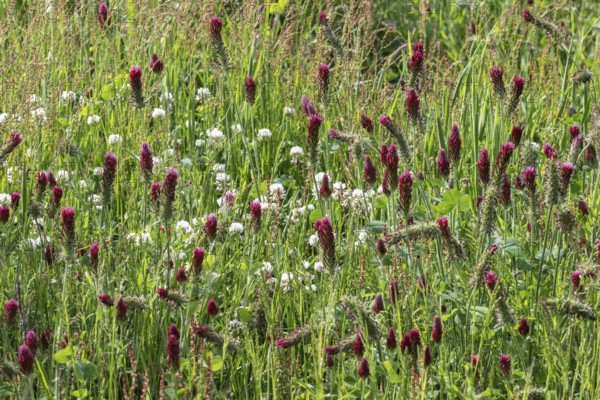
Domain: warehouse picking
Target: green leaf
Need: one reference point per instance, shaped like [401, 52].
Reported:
[277, 8]
[315, 215]
[396, 379]
[375, 227]
[216, 364]
[464, 204]
[381, 202]
[244, 314]
[86, 371]
[63, 356]
[387, 365]
[450, 200]
[210, 260]
[80, 394]
[108, 92]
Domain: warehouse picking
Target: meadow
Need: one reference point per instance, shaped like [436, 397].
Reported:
[366, 199]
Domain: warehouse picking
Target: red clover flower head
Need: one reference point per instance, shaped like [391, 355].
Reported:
[14, 200]
[583, 207]
[412, 104]
[455, 144]
[212, 308]
[529, 175]
[574, 132]
[369, 171]
[94, 250]
[358, 348]
[11, 308]
[32, 341]
[483, 166]
[197, 260]
[4, 214]
[323, 19]
[527, 16]
[106, 300]
[210, 227]
[504, 155]
[491, 280]
[173, 331]
[366, 122]
[549, 151]
[516, 134]
[250, 84]
[103, 14]
[363, 369]
[576, 280]
[135, 78]
[146, 161]
[173, 351]
[256, 214]
[216, 25]
[523, 327]
[181, 276]
[436, 332]
[381, 247]
[391, 341]
[307, 106]
[156, 64]
[25, 358]
[378, 304]
[443, 163]
[505, 364]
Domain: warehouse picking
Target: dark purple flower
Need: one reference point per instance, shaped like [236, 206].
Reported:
[383, 154]
[250, 89]
[576, 280]
[327, 240]
[212, 308]
[483, 166]
[110, 170]
[323, 19]
[566, 172]
[381, 247]
[574, 131]
[103, 14]
[405, 183]
[307, 106]
[391, 341]
[173, 351]
[56, 196]
[173, 331]
[518, 86]
[51, 179]
[32, 341]
[324, 189]
[378, 304]
[313, 125]
[155, 193]
[25, 358]
[49, 253]
[394, 291]
[42, 182]
[436, 331]
[392, 159]
[323, 78]
[106, 299]
[45, 339]
[412, 104]
[4, 214]
[14, 200]
[94, 250]
[121, 310]
[366, 122]
[549, 151]
[416, 62]
[443, 163]
[369, 171]
[358, 348]
[210, 227]
[427, 356]
[583, 207]
[496, 73]
[162, 293]
[505, 190]
[504, 155]
[527, 16]
[68, 224]
[181, 276]
[415, 337]
[256, 214]
[156, 64]
[491, 280]
[406, 343]
[216, 25]
[146, 161]
[10, 311]
[442, 224]
[329, 361]
[363, 369]
[523, 327]
[516, 134]
[455, 144]
[135, 78]
[197, 260]
[505, 364]
[169, 186]
[529, 176]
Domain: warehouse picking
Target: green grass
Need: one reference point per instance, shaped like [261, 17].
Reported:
[45, 52]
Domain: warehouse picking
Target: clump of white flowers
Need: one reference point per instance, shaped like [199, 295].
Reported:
[277, 190]
[264, 134]
[289, 111]
[68, 95]
[296, 153]
[186, 162]
[158, 113]
[39, 114]
[114, 139]
[236, 228]
[98, 171]
[236, 128]
[313, 240]
[203, 95]
[215, 135]
[184, 227]
[93, 120]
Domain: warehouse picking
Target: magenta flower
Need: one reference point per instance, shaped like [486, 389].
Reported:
[323, 19]
[394, 290]
[68, 226]
[32, 341]
[313, 125]
[378, 304]
[583, 208]
[25, 358]
[505, 190]
[323, 78]
[121, 310]
[56, 196]
[436, 332]
[135, 78]
[14, 200]
[256, 214]
[427, 356]
[103, 15]
[491, 280]
[212, 308]
[416, 62]
[358, 348]
[173, 351]
[504, 155]
[516, 134]
[383, 151]
[216, 25]
[156, 64]
[576, 280]
[406, 343]
[181, 276]
[4, 214]
[327, 240]
[106, 300]
[392, 158]
[42, 182]
[155, 193]
[475, 360]
[381, 247]
[109, 172]
[529, 176]
[324, 189]
[566, 172]
[162, 293]
[574, 132]
[363, 369]
[443, 163]
[415, 337]
[455, 144]
[11, 308]
[391, 339]
[369, 170]
[527, 16]
[366, 122]
[496, 73]
[45, 338]
[168, 190]
[51, 179]
[483, 166]
[250, 89]
[210, 227]
[405, 183]
[94, 250]
[418, 46]
[518, 86]
[197, 260]
[412, 104]
[307, 106]
[173, 331]
[146, 161]
[505, 364]
[523, 327]
[549, 151]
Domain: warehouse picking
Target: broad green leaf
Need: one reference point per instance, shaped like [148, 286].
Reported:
[315, 215]
[375, 227]
[80, 394]
[216, 364]
[244, 314]
[86, 371]
[387, 365]
[108, 92]
[63, 356]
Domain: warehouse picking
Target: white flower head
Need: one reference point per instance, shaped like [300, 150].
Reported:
[264, 134]
[34, 98]
[98, 171]
[318, 266]
[63, 176]
[218, 167]
[157, 160]
[236, 128]
[200, 142]
[203, 95]
[277, 189]
[313, 240]
[267, 267]
[184, 227]
[5, 199]
[167, 97]
[39, 114]
[3, 117]
[68, 95]
[296, 152]
[214, 134]
[93, 120]
[186, 162]
[289, 111]
[83, 184]
[158, 113]
[236, 228]
[114, 139]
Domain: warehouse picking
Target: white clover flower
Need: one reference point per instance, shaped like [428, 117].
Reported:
[200, 142]
[146, 238]
[215, 134]
[170, 152]
[158, 113]
[184, 227]
[3, 117]
[157, 160]
[39, 114]
[114, 139]
[33, 243]
[236, 128]
[264, 134]
[83, 184]
[318, 266]
[31, 152]
[181, 255]
[34, 98]
[310, 207]
[63, 176]
[10, 172]
[93, 120]
[98, 171]
[235, 325]
[167, 97]
[186, 162]
[5, 199]
[313, 287]
[236, 228]
[68, 95]
[189, 123]
[306, 264]
[267, 267]
[289, 111]
[277, 189]
[203, 95]
[313, 240]
[221, 180]
[218, 167]
[296, 152]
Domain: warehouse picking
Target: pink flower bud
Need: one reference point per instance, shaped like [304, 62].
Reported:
[576, 280]
[106, 300]
[250, 89]
[483, 166]
[455, 144]
[212, 308]
[529, 175]
[443, 163]
[197, 260]
[549, 151]
[210, 227]
[173, 351]
[358, 348]
[25, 358]
[216, 25]
[256, 214]
[14, 200]
[307, 106]
[574, 132]
[363, 369]
[135, 78]
[369, 171]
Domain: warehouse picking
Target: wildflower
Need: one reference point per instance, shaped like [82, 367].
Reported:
[325, 190]
[490, 280]
[496, 73]
[146, 162]
[363, 369]
[173, 351]
[583, 208]
[436, 332]
[250, 89]
[483, 166]
[358, 348]
[14, 200]
[135, 81]
[314, 123]
[256, 212]
[197, 260]
[416, 62]
[576, 280]
[31, 340]
[378, 304]
[158, 113]
[181, 276]
[566, 172]
[394, 291]
[516, 134]
[406, 343]
[25, 359]
[212, 308]
[412, 105]
[11, 308]
[366, 123]
[103, 15]
[295, 337]
[455, 145]
[529, 175]
[216, 26]
[155, 193]
[523, 327]
[203, 95]
[391, 339]
[4, 214]
[307, 106]
[475, 360]
[327, 240]
[323, 78]
[264, 134]
[405, 191]
[93, 120]
[13, 141]
[108, 175]
[289, 111]
[156, 64]
[516, 92]
[381, 247]
[505, 364]
[68, 227]
[168, 191]
[210, 227]
[236, 228]
[443, 163]
[106, 300]
[369, 171]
